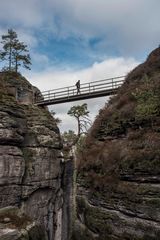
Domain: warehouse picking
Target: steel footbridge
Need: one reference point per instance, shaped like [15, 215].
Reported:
[88, 90]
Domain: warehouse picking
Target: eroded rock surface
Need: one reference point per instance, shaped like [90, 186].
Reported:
[15, 225]
[30, 157]
[118, 193]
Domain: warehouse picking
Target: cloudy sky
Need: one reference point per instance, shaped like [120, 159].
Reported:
[82, 39]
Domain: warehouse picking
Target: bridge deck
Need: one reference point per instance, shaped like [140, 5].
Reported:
[89, 90]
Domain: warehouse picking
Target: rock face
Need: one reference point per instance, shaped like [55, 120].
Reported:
[17, 226]
[30, 156]
[118, 195]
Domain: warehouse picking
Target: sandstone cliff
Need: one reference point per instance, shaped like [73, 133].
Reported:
[30, 163]
[118, 195]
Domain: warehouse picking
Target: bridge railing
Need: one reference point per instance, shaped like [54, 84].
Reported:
[85, 88]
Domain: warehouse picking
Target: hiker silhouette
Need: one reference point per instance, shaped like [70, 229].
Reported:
[78, 86]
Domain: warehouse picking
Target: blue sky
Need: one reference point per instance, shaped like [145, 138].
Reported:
[82, 39]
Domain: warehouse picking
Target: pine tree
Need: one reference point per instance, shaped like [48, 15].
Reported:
[8, 41]
[14, 52]
[21, 56]
[81, 113]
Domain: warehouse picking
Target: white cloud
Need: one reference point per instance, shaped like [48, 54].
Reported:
[27, 37]
[25, 13]
[52, 79]
[130, 26]
[40, 59]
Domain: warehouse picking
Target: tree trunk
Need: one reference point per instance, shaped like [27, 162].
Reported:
[79, 128]
[10, 55]
[16, 63]
[78, 133]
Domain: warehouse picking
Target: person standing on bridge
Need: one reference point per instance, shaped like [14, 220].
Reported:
[78, 86]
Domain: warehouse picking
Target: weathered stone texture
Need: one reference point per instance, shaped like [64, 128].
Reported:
[67, 213]
[30, 157]
[15, 225]
[118, 192]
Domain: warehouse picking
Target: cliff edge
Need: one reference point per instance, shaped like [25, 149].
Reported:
[118, 194]
[30, 160]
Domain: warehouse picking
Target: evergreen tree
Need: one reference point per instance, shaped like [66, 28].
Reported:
[81, 114]
[8, 41]
[14, 52]
[21, 56]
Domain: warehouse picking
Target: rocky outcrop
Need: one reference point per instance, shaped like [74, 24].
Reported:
[118, 194]
[16, 225]
[30, 157]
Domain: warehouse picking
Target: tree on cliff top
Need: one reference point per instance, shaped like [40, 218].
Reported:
[14, 52]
